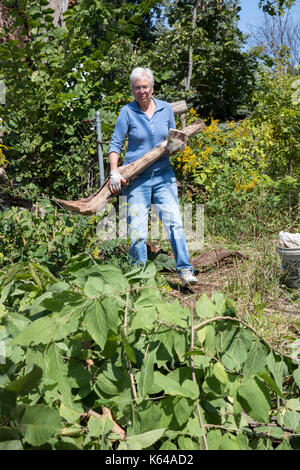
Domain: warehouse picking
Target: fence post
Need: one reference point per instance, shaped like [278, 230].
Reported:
[99, 148]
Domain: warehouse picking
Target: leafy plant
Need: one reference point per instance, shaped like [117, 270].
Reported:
[99, 359]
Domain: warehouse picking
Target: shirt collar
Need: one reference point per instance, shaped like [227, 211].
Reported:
[158, 105]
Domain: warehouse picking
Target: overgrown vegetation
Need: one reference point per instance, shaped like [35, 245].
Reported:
[96, 354]
[98, 339]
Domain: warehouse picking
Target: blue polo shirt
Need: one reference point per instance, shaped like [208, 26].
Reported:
[143, 132]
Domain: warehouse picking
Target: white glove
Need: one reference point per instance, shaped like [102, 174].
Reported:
[115, 180]
[174, 144]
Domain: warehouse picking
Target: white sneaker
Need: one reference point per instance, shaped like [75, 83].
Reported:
[187, 277]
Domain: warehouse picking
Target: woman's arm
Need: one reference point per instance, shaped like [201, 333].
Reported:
[113, 160]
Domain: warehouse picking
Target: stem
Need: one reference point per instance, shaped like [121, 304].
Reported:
[133, 387]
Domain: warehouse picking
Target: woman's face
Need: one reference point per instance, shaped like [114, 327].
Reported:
[142, 90]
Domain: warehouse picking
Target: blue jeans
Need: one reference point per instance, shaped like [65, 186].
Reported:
[159, 188]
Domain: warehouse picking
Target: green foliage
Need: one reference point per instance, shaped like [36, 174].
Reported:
[57, 79]
[249, 169]
[75, 342]
[275, 7]
[50, 236]
[222, 76]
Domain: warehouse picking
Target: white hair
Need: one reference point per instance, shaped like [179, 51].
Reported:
[140, 72]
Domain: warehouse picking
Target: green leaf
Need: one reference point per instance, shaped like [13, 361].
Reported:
[127, 347]
[236, 342]
[99, 426]
[26, 383]
[256, 360]
[173, 313]
[291, 419]
[11, 445]
[220, 372]
[214, 439]
[96, 322]
[93, 287]
[57, 371]
[182, 410]
[171, 387]
[271, 382]
[40, 331]
[293, 404]
[142, 441]
[276, 368]
[205, 308]
[254, 398]
[296, 375]
[144, 318]
[40, 423]
[147, 374]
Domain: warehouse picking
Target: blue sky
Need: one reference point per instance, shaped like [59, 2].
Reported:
[251, 14]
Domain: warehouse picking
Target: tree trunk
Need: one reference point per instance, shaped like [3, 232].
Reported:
[59, 6]
[103, 196]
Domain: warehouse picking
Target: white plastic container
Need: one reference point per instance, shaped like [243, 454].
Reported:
[290, 263]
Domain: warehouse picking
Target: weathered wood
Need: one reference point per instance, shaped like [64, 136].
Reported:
[103, 196]
[179, 107]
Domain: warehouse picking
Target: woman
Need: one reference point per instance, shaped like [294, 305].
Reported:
[147, 121]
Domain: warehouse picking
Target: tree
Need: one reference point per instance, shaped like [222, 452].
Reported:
[275, 7]
[55, 81]
[280, 38]
[203, 49]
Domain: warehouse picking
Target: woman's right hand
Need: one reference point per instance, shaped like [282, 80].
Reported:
[115, 181]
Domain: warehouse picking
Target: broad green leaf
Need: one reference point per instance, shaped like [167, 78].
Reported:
[205, 308]
[7, 402]
[277, 369]
[214, 439]
[229, 442]
[271, 382]
[254, 398]
[236, 342]
[96, 322]
[293, 404]
[186, 443]
[57, 371]
[147, 374]
[256, 360]
[296, 375]
[220, 372]
[111, 307]
[127, 347]
[273, 431]
[220, 302]
[291, 419]
[172, 387]
[93, 287]
[147, 417]
[168, 445]
[40, 423]
[112, 275]
[26, 383]
[142, 441]
[99, 426]
[144, 318]
[11, 445]
[172, 313]
[71, 414]
[182, 410]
